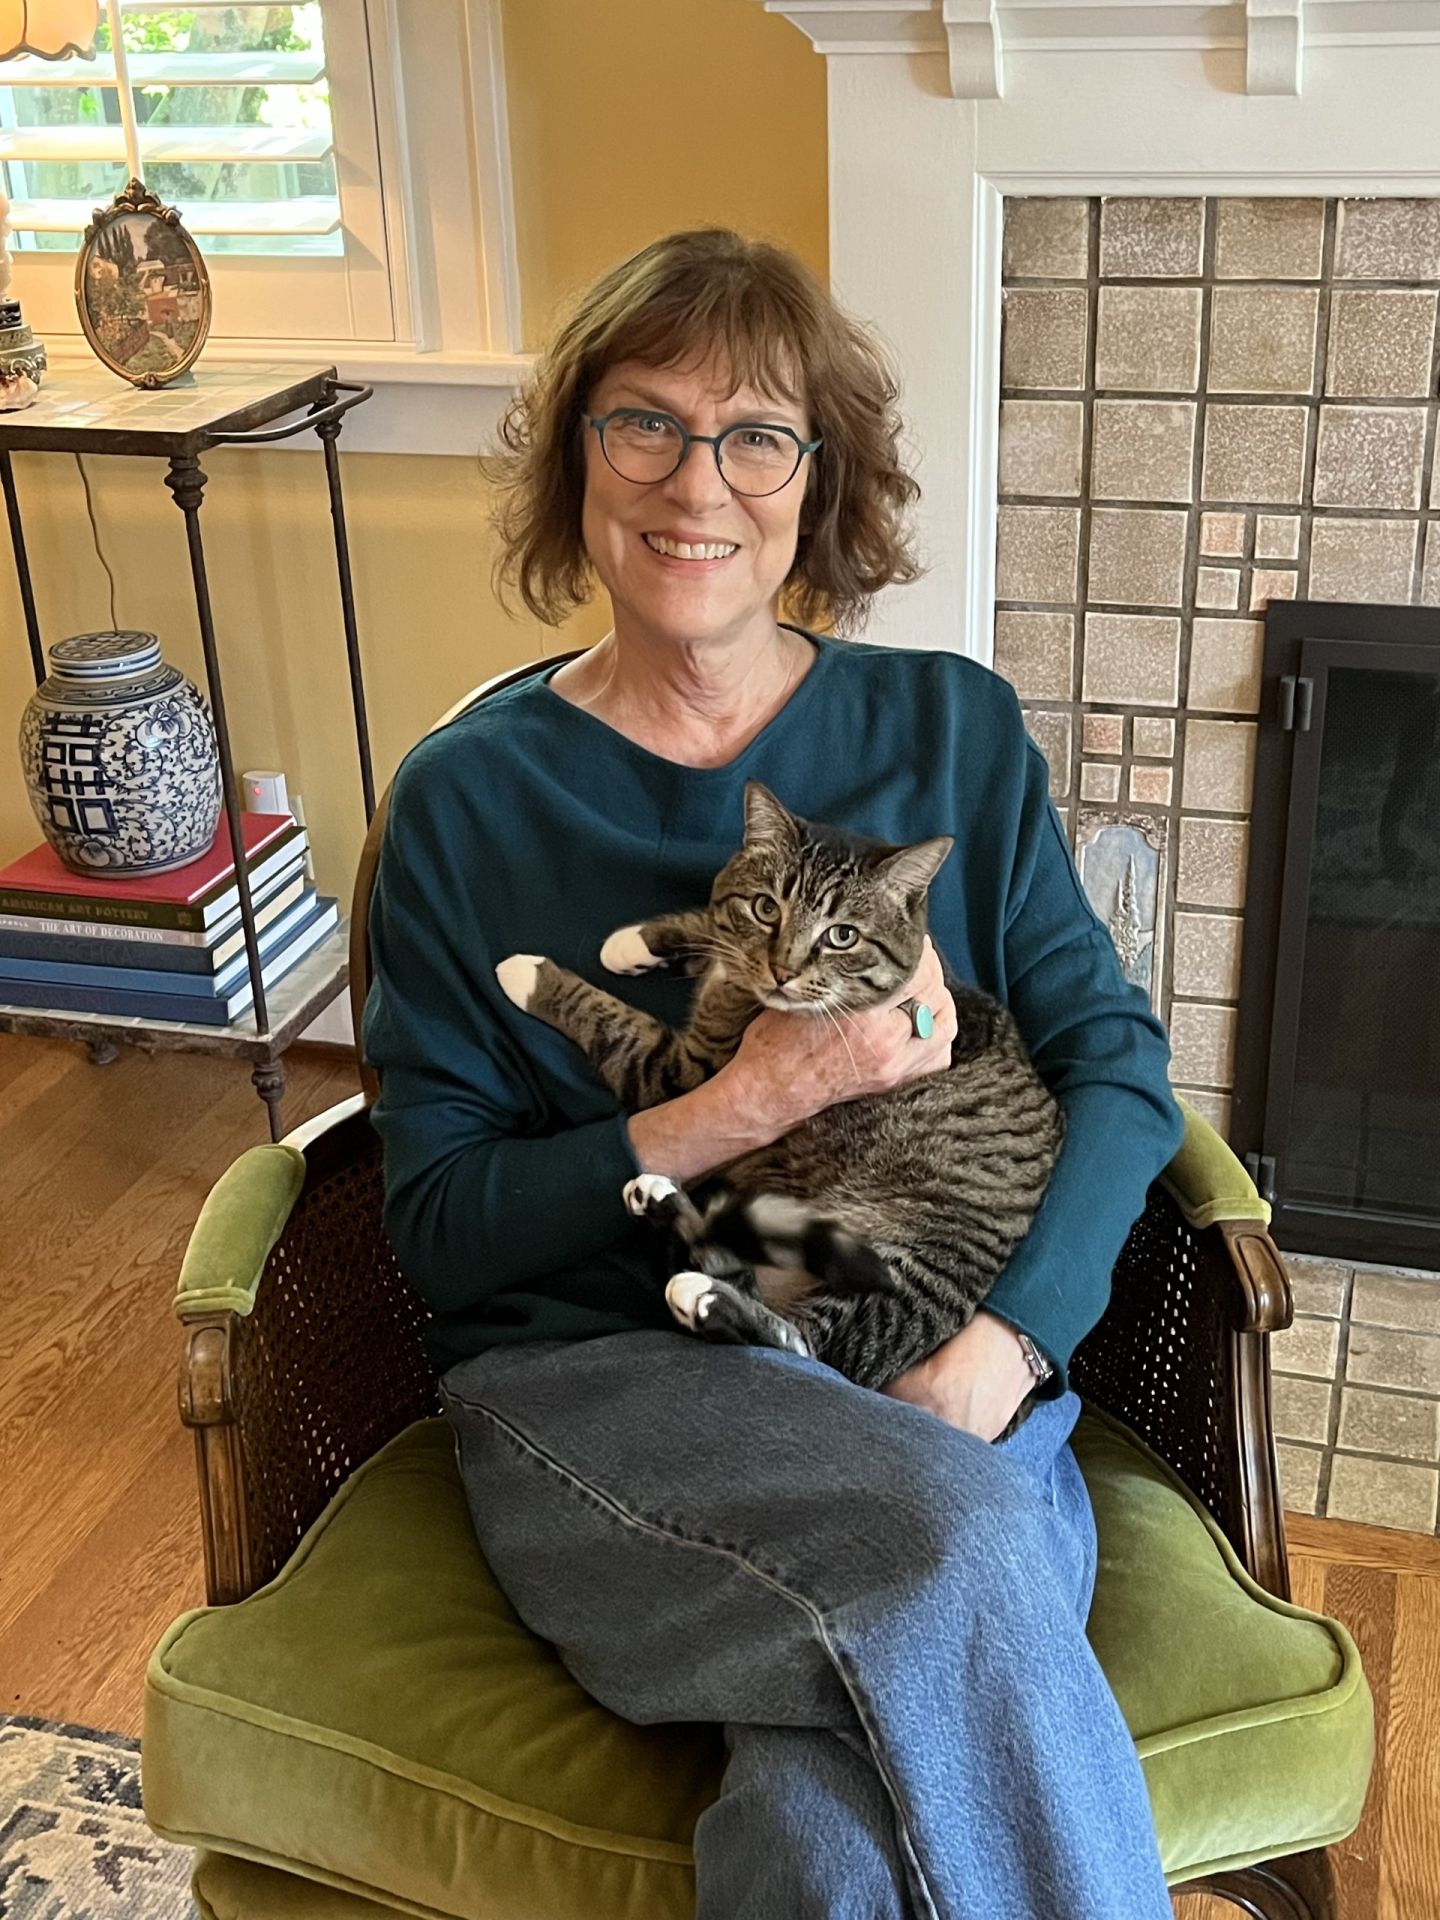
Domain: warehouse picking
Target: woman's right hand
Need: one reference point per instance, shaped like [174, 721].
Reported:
[791, 1065]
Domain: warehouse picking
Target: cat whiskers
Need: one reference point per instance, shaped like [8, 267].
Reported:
[854, 1063]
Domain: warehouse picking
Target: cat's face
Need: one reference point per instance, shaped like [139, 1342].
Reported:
[813, 917]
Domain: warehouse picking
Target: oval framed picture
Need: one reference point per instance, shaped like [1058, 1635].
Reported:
[141, 289]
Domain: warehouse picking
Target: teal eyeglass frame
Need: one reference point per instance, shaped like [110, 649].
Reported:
[599, 421]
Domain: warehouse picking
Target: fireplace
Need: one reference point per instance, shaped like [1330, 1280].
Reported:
[1337, 1092]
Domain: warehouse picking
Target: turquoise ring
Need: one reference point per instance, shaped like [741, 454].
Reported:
[922, 1020]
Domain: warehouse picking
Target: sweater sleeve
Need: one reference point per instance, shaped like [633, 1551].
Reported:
[484, 1188]
[1104, 1056]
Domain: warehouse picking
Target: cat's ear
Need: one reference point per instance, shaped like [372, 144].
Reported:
[765, 818]
[912, 869]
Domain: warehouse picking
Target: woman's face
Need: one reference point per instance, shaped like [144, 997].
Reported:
[690, 600]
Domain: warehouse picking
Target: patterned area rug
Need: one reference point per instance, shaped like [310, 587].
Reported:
[73, 1842]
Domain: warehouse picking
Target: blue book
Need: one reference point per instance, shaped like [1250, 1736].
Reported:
[120, 1002]
[143, 979]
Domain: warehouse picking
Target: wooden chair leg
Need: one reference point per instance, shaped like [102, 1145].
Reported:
[1301, 1886]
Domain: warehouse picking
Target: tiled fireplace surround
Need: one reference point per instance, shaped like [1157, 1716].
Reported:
[1207, 404]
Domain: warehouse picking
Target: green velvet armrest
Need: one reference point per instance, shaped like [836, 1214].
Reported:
[1205, 1179]
[242, 1218]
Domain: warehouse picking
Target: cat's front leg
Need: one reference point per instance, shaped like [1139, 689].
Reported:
[718, 1310]
[639, 1058]
[658, 943]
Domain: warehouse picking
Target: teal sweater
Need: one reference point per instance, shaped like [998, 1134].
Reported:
[529, 826]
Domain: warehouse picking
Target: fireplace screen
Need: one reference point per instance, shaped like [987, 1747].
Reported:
[1351, 1131]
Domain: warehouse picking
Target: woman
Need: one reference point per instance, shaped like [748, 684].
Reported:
[885, 1609]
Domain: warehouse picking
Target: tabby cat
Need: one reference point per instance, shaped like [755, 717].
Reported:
[871, 1232]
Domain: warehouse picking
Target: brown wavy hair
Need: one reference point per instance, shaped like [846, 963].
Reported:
[754, 306]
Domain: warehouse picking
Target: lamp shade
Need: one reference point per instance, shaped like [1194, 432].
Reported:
[51, 28]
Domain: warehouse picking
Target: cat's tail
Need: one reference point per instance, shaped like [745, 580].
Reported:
[777, 1230]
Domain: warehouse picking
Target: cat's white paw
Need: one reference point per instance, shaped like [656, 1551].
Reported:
[641, 1193]
[626, 952]
[689, 1296]
[517, 976]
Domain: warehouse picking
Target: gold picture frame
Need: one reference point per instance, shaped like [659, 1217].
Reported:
[141, 290]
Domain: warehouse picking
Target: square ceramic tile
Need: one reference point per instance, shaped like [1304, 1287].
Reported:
[1372, 560]
[1137, 556]
[1202, 1046]
[1219, 765]
[1255, 454]
[1103, 733]
[1318, 1286]
[1131, 659]
[1430, 580]
[1037, 553]
[1052, 733]
[1382, 344]
[1152, 786]
[1302, 1408]
[1262, 339]
[1099, 781]
[1040, 446]
[1269, 239]
[1381, 1357]
[1046, 239]
[1308, 1347]
[1382, 1494]
[1397, 1424]
[1222, 533]
[1272, 583]
[1299, 1477]
[1143, 450]
[1150, 239]
[1035, 652]
[1227, 660]
[1277, 537]
[1214, 1107]
[1387, 240]
[1147, 339]
[1207, 956]
[1213, 857]
[1154, 737]
[1369, 457]
[1217, 587]
[1042, 342]
[1378, 1300]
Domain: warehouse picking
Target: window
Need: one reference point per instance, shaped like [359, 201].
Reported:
[280, 133]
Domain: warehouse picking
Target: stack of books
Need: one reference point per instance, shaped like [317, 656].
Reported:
[166, 947]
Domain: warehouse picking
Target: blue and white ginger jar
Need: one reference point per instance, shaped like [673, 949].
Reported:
[120, 758]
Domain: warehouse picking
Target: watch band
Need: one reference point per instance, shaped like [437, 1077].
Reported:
[1034, 1358]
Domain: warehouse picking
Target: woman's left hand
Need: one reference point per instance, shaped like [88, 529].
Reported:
[976, 1381]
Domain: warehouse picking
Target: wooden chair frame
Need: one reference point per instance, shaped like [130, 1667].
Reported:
[286, 1400]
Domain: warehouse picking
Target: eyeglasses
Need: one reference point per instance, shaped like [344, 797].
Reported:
[754, 458]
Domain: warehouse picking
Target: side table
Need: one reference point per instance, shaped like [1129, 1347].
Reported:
[91, 411]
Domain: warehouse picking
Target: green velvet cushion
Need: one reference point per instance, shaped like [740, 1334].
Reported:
[377, 1719]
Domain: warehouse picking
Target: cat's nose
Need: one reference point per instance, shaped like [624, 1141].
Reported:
[782, 974]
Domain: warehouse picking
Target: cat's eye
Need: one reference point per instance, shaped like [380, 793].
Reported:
[766, 909]
[841, 936]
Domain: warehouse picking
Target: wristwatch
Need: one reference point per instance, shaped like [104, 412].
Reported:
[1034, 1358]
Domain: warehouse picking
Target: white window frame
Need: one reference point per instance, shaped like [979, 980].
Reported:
[430, 313]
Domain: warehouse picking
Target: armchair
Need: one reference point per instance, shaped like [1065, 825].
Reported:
[357, 1725]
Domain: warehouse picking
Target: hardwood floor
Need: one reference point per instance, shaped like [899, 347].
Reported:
[102, 1171]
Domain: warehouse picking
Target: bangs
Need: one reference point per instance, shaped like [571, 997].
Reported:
[747, 329]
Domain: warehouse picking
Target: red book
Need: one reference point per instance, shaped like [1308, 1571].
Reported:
[191, 897]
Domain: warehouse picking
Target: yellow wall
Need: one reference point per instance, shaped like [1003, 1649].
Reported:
[628, 119]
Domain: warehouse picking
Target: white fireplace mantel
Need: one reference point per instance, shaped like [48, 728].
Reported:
[975, 35]
[1099, 97]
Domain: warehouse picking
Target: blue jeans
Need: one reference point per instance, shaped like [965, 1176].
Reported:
[886, 1614]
